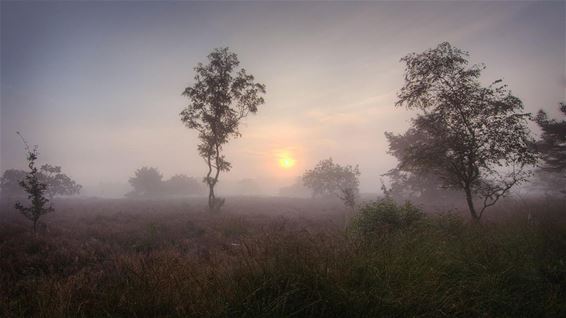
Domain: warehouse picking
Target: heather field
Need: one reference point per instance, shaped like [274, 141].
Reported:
[282, 257]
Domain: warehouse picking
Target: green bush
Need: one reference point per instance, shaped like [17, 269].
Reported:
[385, 215]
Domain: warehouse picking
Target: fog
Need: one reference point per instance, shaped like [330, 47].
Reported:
[98, 85]
[392, 159]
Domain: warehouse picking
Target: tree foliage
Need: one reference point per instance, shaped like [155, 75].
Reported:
[475, 138]
[147, 182]
[57, 182]
[383, 216]
[10, 183]
[419, 187]
[329, 179]
[181, 184]
[221, 96]
[552, 146]
[35, 189]
[553, 141]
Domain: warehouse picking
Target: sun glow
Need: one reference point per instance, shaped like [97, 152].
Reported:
[286, 162]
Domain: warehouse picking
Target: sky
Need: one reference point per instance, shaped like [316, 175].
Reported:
[97, 85]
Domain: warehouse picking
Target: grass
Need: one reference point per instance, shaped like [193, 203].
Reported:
[280, 258]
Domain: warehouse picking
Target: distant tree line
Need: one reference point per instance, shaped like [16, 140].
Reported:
[148, 182]
[57, 183]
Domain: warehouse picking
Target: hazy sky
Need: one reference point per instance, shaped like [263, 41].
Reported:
[98, 85]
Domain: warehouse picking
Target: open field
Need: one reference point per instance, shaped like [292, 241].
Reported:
[279, 257]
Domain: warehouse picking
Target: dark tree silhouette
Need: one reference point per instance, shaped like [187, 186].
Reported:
[553, 141]
[474, 138]
[552, 147]
[219, 99]
[328, 178]
[35, 189]
[147, 182]
[422, 188]
[418, 186]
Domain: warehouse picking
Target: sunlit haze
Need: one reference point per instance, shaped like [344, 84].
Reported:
[98, 85]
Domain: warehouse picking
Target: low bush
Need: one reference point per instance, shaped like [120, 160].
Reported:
[385, 215]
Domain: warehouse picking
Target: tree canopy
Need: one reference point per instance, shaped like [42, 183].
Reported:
[10, 183]
[147, 182]
[552, 144]
[57, 182]
[552, 147]
[328, 179]
[474, 137]
[181, 184]
[221, 96]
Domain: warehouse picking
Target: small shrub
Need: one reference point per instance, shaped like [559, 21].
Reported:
[385, 215]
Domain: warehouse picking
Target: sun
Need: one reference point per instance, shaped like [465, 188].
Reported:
[286, 162]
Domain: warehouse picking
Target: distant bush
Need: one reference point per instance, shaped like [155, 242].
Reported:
[181, 184]
[148, 182]
[385, 215]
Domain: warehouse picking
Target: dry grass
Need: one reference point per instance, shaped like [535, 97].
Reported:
[276, 257]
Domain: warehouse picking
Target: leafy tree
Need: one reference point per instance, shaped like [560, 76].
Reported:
[35, 189]
[10, 183]
[418, 186]
[219, 99]
[328, 178]
[181, 184]
[553, 141]
[474, 138]
[552, 147]
[147, 182]
[421, 188]
[57, 182]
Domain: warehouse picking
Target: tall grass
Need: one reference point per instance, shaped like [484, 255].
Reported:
[131, 264]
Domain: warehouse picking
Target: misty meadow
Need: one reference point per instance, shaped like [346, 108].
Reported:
[283, 159]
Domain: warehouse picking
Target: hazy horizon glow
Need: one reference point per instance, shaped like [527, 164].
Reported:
[97, 85]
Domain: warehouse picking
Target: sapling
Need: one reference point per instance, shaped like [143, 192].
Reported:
[35, 189]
